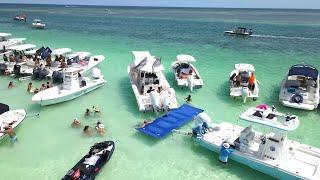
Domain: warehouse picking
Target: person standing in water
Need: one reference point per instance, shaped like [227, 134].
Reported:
[10, 85]
[188, 99]
[9, 130]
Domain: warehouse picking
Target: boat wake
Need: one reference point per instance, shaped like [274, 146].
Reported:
[284, 37]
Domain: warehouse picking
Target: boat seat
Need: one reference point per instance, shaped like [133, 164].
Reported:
[292, 84]
[258, 114]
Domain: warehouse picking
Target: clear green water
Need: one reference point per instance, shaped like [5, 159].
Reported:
[48, 146]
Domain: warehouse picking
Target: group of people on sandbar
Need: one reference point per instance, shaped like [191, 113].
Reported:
[30, 88]
[88, 130]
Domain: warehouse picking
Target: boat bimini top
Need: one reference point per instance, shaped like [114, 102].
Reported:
[244, 67]
[61, 51]
[185, 58]
[304, 70]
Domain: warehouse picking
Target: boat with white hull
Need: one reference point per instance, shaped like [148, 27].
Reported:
[152, 90]
[37, 23]
[239, 82]
[73, 86]
[271, 153]
[300, 87]
[240, 31]
[13, 118]
[6, 41]
[185, 72]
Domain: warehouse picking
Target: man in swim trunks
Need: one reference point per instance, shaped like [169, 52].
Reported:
[11, 133]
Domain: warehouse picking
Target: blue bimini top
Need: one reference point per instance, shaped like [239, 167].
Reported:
[172, 120]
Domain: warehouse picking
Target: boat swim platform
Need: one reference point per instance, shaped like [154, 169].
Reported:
[174, 119]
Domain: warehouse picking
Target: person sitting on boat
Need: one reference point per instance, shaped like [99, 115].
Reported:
[9, 130]
[76, 123]
[87, 113]
[48, 61]
[10, 85]
[87, 130]
[95, 110]
[237, 79]
[63, 64]
[225, 152]
[100, 128]
[188, 99]
[252, 79]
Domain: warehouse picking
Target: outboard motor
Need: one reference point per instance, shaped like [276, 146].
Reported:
[16, 70]
[57, 77]
[245, 93]
[42, 74]
[190, 82]
[3, 68]
[96, 73]
[165, 100]
[155, 101]
[297, 98]
[35, 73]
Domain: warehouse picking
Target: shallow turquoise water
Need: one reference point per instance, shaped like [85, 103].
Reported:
[48, 146]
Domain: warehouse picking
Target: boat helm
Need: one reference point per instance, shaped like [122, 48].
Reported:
[297, 98]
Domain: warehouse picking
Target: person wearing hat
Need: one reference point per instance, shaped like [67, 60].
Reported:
[225, 152]
[100, 128]
[76, 122]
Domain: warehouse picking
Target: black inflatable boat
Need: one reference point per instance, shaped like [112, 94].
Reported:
[89, 166]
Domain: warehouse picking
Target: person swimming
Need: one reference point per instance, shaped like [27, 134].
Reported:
[29, 89]
[95, 110]
[144, 123]
[87, 113]
[43, 87]
[76, 122]
[100, 128]
[10, 85]
[188, 99]
[87, 130]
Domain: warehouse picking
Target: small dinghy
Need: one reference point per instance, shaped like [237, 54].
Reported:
[267, 115]
[90, 165]
[185, 73]
[12, 118]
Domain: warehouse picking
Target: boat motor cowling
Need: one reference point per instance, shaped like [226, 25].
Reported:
[57, 77]
[96, 73]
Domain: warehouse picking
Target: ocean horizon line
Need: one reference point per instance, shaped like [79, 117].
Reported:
[168, 7]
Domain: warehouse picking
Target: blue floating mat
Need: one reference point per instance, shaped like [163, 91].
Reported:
[172, 120]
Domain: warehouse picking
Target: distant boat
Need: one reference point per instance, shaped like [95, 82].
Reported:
[21, 17]
[240, 31]
[37, 23]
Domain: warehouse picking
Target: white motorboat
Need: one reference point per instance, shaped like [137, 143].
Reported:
[37, 23]
[243, 83]
[72, 87]
[6, 41]
[240, 31]
[149, 84]
[267, 115]
[185, 73]
[271, 153]
[13, 118]
[300, 87]
[21, 17]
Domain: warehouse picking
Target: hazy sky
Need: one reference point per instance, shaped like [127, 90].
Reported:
[303, 4]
